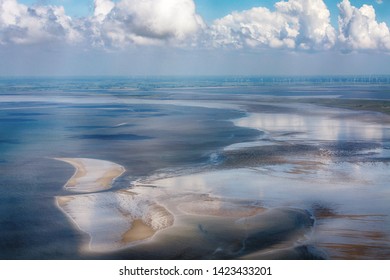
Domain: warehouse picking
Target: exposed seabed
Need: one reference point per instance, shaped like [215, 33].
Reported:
[313, 185]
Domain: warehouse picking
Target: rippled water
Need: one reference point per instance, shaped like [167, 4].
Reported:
[248, 170]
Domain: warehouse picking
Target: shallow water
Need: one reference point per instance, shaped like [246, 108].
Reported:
[244, 174]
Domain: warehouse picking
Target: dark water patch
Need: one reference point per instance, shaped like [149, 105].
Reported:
[265, 108]
[26, 114]
[85, 127]
[376, 160]
[103, 111]
[126, 113]
[117, 108]
[280, 153]
[295, 222]
[113, 137]
[262, 233]
[265, 155]
[31, 225]
[322, 210]
[113, 107]
[144, 110]
[106, 112]
[9, 141]
[351, 101]
[346, 149]
[154, 115]
[17, 120]
[302, 252]
[28, 104]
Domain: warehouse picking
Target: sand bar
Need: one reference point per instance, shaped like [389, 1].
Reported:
[92, 175]
[114, 220]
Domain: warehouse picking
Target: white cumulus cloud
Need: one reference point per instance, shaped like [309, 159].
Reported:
[295, 24]
[102, 8]
[21, 24]
[292, 24]
[146, 22]
[359, 29]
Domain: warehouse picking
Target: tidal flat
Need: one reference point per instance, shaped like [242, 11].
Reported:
[213, 169]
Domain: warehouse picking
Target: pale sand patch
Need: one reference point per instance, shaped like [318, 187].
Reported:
[63, 200]
[92, 175]
[139, 231]
[115, 220]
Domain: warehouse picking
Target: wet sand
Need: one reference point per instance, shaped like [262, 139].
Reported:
[165, 216]
[115, 220]
[139, 231]
[92, 175]
[112, 220]
[298, 191]
[323, 156]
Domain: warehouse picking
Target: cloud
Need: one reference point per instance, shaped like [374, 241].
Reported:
[20, 24]
[295, 24]
[113, 24]
[379, 1]
[359, 30]
[102, 8]
[147, 22]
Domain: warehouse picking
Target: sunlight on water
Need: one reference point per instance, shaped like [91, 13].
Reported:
[323, 127]
[212, 170]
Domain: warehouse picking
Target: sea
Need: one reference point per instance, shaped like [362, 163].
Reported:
[250, 167]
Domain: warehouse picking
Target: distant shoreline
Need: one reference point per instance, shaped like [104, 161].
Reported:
[373, 105]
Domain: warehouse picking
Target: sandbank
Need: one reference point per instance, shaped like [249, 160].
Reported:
[92, 175]
[114, 220]
[138, 231]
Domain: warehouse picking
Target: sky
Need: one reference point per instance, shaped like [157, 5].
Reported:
[194, 37]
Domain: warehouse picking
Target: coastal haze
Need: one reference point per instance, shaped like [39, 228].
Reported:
[195, 168]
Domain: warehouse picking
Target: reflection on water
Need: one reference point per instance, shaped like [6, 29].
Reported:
[345, 127]
[211, 173]
[338, 171]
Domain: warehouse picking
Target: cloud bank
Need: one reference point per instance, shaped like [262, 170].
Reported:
[146, 22]
[300, 25]
[359, 30]
[296, 24]
[20, 24]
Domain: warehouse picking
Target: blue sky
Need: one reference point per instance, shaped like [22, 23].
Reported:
[213, 9]
[194, 37]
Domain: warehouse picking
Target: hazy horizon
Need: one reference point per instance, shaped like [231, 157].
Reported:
[194, 37]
